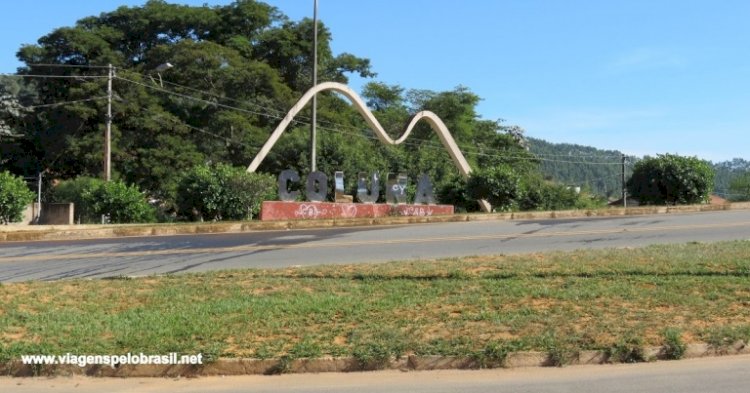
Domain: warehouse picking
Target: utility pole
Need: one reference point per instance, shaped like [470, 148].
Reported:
[624, 190]
[313, 131]
[108, 130]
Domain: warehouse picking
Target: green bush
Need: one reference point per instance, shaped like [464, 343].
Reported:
[499, 185]
[506, 190]
[93, 198]
[199, 194]
[671, 179]
[455, 192]
[223, 192]
[14, 197]
[537, 194]
[72, 191]
[122, 203]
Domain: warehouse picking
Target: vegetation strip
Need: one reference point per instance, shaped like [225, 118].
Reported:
[478, 308]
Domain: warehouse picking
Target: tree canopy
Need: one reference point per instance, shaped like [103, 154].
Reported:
[235, 71]
[671, 179]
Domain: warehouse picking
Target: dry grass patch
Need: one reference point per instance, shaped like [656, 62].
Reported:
[477, 306]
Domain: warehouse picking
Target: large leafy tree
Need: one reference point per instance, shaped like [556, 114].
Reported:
[236, 70]
[485, 143]
[671, 179]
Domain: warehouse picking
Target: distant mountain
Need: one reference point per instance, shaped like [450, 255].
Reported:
[725, 172]
[599, 171]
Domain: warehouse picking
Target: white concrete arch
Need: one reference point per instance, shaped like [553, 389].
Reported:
[432, 119]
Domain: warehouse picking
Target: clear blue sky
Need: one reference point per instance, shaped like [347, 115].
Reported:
[644, 77]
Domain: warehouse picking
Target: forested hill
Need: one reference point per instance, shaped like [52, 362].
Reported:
[728, 171]
[581, 166]
[600, 170]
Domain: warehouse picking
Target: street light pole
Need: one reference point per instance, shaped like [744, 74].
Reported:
[624, 188]
[313, 131]
[108, 130]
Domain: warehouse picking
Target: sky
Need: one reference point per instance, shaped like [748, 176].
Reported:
[643, 77]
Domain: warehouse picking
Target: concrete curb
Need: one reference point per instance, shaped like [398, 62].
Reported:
[75, 232]
[230, 366]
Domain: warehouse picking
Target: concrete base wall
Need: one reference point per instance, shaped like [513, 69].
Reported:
[277, 210]
[29, 215]
[51, 214]
[57, 214]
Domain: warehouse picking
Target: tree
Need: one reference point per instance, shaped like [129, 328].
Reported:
[14, 197]
[11, 110]
[237, 68]
[671, 179]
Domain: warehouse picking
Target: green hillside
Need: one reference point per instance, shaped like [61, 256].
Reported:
[728, 171]
[601, 170]
[598, 170]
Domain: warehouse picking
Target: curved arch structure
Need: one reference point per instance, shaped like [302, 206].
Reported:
[432, 119]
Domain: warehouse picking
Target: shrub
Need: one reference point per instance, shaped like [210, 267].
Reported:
[199, 194]
[537, 194]
[628, 350]
[244, 192]
[122, 203]
[72, 191]
[674, 347]
[93, 198]
[499, 185]
[671, 179]
[14, 197]
[455, 192]
[222, 192]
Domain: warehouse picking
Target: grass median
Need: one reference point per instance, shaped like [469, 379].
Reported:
[483, 307]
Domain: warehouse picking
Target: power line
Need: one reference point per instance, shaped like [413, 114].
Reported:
[278, 113]
[65, 103]
[55, 76]
[473, 153]
[163, 119]
[412, 142]
[66, 65]
[196, 98]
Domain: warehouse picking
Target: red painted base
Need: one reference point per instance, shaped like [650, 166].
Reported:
[277, 210]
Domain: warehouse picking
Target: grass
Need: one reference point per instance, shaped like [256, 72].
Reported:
[481, 307]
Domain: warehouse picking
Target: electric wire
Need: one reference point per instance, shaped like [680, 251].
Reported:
[422, 143]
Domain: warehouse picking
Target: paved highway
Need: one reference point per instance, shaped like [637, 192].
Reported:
[729, 374]
[138, 256]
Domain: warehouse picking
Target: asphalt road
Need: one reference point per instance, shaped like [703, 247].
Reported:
[729, 374]
[139, 256]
